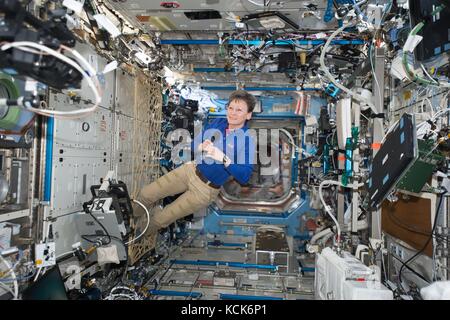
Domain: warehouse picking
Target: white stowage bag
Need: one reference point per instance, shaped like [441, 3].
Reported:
[107, 255]
[439, 290]
[205, 98]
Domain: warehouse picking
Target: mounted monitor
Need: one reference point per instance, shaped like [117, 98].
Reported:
[394, 158]
[272, 20]
[436, 32]
[48, 287]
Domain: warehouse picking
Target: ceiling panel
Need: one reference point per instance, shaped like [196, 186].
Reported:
[155, 18]
[173, 24]
[222, 5]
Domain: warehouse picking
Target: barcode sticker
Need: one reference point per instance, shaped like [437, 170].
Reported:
[281, 108]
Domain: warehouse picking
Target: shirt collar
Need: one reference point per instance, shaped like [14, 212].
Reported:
[244, 128]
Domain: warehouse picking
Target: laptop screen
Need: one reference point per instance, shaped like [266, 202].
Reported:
[48, 287]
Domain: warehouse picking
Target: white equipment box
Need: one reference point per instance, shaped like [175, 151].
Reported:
[346, 278]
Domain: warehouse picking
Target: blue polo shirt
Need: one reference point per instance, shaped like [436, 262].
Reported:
[238, 145]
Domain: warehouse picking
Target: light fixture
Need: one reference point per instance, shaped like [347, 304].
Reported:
[272, 23]
[273, 19]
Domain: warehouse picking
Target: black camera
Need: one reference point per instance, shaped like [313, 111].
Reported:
[17, 24]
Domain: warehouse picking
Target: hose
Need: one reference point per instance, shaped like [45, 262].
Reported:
[355, 95]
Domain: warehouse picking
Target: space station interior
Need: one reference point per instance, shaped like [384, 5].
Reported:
[99, 98]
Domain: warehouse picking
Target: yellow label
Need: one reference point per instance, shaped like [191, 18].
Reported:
[407, 95]
[38, 262]
[316, 164]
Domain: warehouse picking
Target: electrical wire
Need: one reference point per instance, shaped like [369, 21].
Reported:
[7, 288]
[24, 278]
[411, 269]
[361, 15]
[383, 264]
[21, 45]
[424, 128]
[438, 114]
[146, 227]
[38, 273]
[13, 268]
[404, 264]
[410, 73]
[327, 208]
[52, 219]
[413, 228]
[85, 237]
[330, 76]
[132, 295]
[412, 76]
[291, 141]
[392, 127]
[327, 183]
[13, 275]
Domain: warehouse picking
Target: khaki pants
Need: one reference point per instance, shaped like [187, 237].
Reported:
[196, 194]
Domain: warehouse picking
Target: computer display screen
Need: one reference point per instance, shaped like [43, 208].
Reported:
[49, 287]
[392, 160]
[436, 32]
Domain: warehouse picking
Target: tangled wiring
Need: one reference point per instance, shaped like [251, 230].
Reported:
[123, 293]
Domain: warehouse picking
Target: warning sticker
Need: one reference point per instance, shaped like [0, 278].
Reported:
[103, 125]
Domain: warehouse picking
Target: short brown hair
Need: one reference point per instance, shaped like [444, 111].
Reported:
[248, 98]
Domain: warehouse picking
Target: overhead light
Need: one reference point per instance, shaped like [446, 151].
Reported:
[272, 23]
[270, 18]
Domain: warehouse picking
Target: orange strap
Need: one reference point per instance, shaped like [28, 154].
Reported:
[341, 157]
[376, 146]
